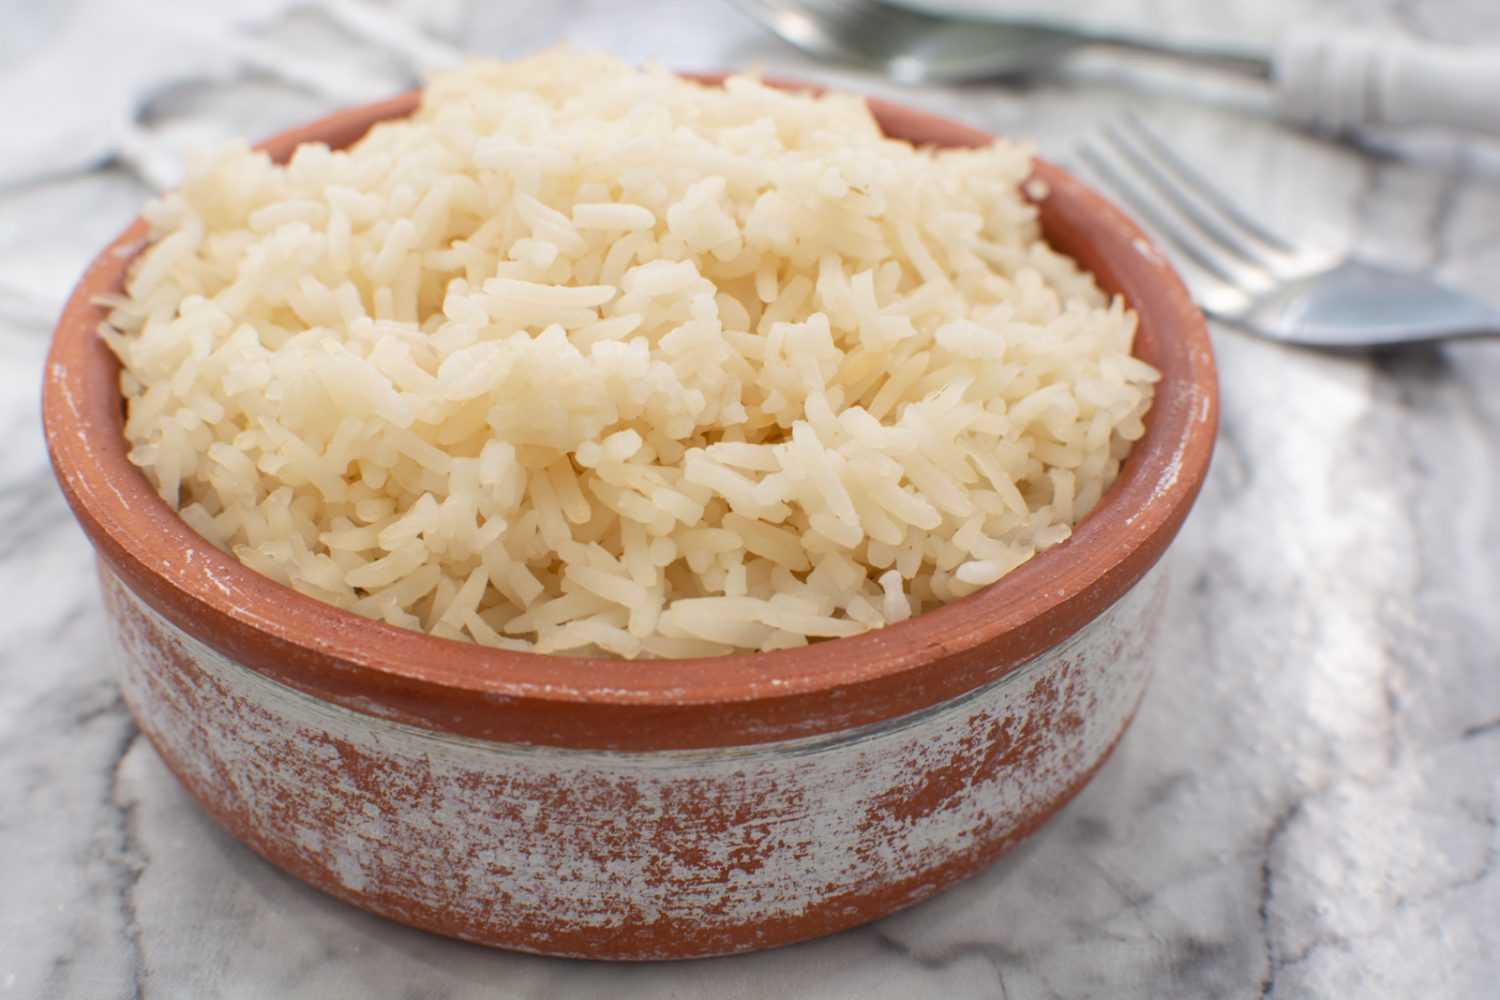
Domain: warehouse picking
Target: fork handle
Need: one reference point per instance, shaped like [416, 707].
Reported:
[1340, 82]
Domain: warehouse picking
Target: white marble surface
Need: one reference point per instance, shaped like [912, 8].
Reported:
[1306, 806]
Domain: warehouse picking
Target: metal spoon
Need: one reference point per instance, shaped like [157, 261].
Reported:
[1331, 80]
[912, 45]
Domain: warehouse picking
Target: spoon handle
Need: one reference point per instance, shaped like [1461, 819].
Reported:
[1343, 81]
[1337, 83]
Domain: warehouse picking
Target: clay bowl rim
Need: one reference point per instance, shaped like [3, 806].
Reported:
[589, 703]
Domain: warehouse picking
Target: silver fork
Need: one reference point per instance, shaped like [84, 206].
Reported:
[1250, 277]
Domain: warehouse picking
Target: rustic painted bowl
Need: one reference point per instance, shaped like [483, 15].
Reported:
[608, 809]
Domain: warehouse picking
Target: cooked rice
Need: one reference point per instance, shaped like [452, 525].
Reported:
[588, 359]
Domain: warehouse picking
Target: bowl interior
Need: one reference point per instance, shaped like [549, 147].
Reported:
[605, 703]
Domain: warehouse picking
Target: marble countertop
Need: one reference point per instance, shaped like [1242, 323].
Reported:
[1306, 805]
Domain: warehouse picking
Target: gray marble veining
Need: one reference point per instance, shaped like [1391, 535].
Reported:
[1306, 806]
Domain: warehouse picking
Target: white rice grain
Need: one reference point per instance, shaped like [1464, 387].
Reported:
[587, 359]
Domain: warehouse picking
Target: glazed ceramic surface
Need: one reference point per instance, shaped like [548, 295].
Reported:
[650, 809]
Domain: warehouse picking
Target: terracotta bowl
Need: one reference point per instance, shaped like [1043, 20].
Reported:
[641, 810]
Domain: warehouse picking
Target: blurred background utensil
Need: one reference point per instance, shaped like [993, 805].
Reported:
[68, 132]
[912, 44]
[1245, 274]
[1333, 82]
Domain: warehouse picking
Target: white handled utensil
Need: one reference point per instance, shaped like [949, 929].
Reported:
[1341, 82]
[1331, 81]
[64, 119]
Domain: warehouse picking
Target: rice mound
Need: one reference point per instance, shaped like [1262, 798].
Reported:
[583, 358]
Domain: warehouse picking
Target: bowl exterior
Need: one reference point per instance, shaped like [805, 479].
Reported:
[632, 855]
[656, 809]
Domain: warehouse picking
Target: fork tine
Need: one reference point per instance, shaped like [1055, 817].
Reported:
[1170, 189]
[1209, 192]
[1225, 271]
[1214, 291]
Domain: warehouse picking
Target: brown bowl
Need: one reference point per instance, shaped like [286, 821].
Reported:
[640, 810]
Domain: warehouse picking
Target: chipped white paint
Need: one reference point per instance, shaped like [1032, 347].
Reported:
[213, 578]
[1145, 248]
[1202, 404]
[529, 846]
[58, 381]
[1167, 479]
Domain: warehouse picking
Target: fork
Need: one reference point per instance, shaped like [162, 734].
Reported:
[1243, 273]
